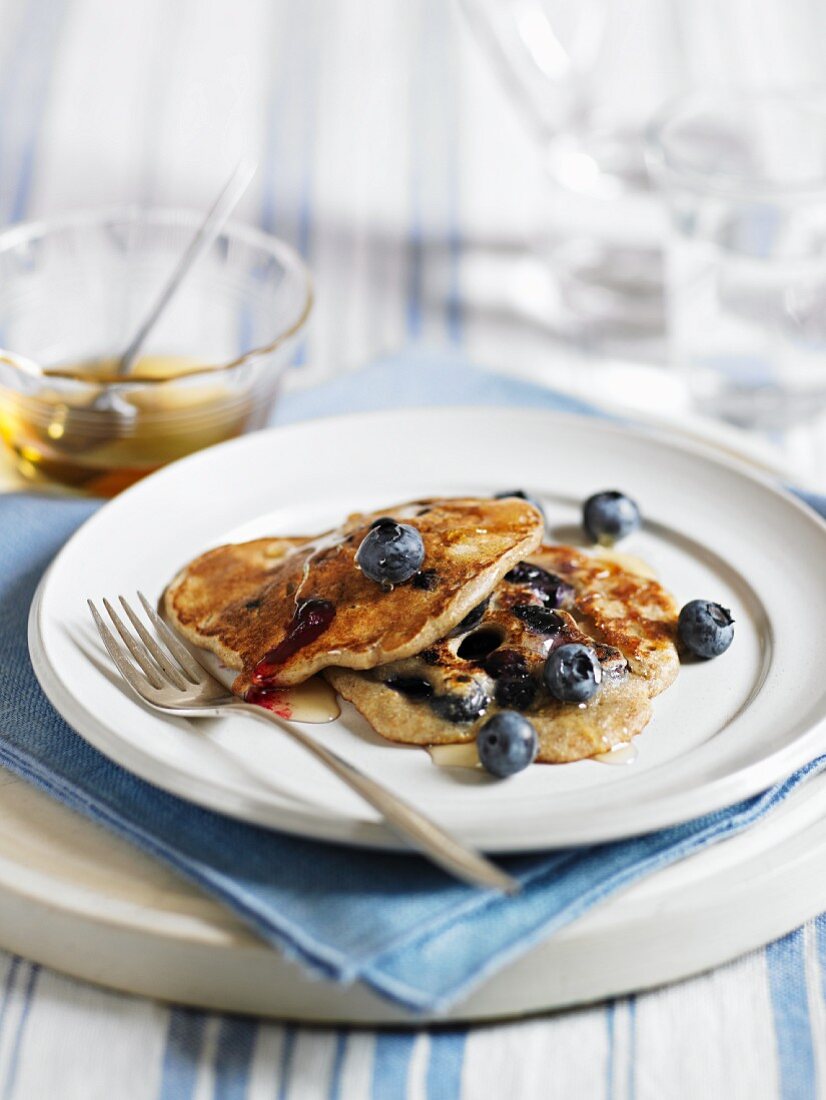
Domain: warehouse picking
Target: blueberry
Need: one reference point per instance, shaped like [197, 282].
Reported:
[554, 591]
[472, 619]
[507, 743]
[522, 495]
[705, 629]
[479, 644]
[515, 687]
[572, 673]
[427, 580]
[515, 692]
[461, 708]
[561, 594]
[539, 619]
[506, 662]
[610, 516]
[414, 687]
[390, 552]
[525, 572]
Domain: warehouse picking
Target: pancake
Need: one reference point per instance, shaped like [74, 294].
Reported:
[622, 607]
[279, 610]
[444, 694]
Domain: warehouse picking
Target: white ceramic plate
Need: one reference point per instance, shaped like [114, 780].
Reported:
[726, 730]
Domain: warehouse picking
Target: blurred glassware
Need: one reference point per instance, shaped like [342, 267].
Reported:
[72, 291]
[587, 76]
[744, 176]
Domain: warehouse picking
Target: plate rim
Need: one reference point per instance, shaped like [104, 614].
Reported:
[716, 794]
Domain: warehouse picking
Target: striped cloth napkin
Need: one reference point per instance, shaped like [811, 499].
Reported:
[397, 924]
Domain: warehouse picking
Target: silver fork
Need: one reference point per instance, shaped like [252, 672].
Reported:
[169, 678]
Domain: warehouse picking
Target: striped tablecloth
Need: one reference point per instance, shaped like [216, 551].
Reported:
[389, 158]
[751, 1030]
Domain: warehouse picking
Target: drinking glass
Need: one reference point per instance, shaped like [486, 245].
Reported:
[587, 76]
[744, 177]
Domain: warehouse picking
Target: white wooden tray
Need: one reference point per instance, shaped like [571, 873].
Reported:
[76, 899]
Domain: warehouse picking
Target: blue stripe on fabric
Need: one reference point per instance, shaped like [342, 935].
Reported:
[269, 158]
[414, 280]
[391, 1065]
[44, 41]
[631, 1081]
[820, 946]
[9, 80]
[233, 1057]
[17, 1042]
[338, 1067]
[454, 318]
[184, 1045]
[611, 1068]
[305, 206]
[610, 1057]
[415, 244]
[432, 79]
[820, 940]
[786, 966]
[305, 218]
[156, 101]
[444, 1070]
[15, 61]
[11, 976]
[307, 65]
[285, 1068]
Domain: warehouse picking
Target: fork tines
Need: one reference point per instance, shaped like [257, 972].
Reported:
[152, 665]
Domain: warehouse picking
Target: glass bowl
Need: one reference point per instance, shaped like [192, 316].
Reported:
[74, 290]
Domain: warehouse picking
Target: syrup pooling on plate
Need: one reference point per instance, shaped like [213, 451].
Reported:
[313, 701]
[455, 756]
[619, 756]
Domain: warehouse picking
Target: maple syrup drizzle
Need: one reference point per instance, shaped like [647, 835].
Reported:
[618, 756]
[312, 701]
[310, 620]
[462, 755]
[329, 541]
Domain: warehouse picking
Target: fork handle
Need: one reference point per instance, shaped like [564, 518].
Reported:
[419, 831]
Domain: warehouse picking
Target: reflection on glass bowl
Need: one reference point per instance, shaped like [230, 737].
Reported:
[72, 293]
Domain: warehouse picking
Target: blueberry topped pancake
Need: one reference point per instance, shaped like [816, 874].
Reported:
[447, 621]
[622, 606]
[379, 589]
[499, 658]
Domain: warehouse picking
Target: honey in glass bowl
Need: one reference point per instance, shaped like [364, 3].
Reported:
[88, 430]
[213, 371]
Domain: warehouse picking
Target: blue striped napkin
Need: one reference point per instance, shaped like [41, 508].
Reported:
[394, 923]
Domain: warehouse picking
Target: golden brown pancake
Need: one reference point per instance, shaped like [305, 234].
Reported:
[243, 602]
[622, 608]
[446, 693]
